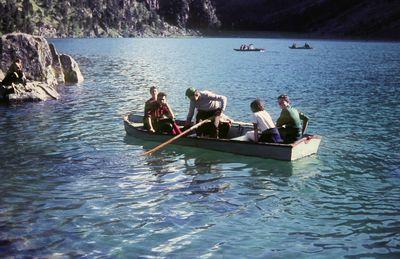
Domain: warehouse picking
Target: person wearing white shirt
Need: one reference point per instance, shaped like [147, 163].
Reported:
[264, 126]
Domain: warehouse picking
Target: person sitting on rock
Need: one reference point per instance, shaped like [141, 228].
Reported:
[14, 74]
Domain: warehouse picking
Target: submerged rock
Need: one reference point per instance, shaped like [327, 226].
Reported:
[42, 66]
[32, 91]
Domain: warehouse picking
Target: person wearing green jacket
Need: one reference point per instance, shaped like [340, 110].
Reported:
[292, 123]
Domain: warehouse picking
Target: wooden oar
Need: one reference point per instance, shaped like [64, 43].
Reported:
[178, 136]
[243, 123]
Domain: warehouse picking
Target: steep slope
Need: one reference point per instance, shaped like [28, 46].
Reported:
[96, 18]
[360, 18]
[126, 18]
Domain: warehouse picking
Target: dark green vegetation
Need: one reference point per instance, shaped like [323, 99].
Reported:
[126, 18]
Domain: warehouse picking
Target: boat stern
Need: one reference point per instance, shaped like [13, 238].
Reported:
[305, 147]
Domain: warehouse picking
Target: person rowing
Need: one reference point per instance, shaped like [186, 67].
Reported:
[208, 104]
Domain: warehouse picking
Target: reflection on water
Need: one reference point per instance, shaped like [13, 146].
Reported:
[74, 185]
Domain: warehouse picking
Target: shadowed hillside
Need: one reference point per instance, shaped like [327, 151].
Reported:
[359, 18]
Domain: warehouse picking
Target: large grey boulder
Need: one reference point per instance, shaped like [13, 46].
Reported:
[72, 73]
[56, 64]
[33, 51]
[32, 91]
[42, 66]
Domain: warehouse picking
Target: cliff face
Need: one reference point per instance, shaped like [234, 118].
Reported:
[360, 18]
[126, 18]
[97, 18]
[199, 14]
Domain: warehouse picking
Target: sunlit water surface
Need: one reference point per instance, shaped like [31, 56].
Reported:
[73, 184]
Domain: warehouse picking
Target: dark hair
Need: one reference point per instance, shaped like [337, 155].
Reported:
[161, 94]
[190, 92]
[153, 88]
[285, 97]
[256, 105]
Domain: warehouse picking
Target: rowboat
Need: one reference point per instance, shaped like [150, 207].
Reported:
[291, 47]
[306, 146]
[255, 49]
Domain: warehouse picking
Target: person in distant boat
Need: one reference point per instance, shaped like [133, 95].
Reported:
[291, 122]
[264, 127]
[208, 104]
[14, 74]
[306, 45]
[163, 119]
[149, 108]
[241, 47]
[251, 47]
[294, 45]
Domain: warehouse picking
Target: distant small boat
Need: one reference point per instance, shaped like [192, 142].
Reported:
[255, 49]
[302, 47]
[306, 146]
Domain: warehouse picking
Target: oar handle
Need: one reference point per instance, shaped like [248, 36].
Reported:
[243, 123]
[178, 136]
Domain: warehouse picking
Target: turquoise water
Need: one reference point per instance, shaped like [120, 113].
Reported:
[74, 185]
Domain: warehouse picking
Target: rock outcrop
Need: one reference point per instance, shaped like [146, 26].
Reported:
[107, 18]
[42, 65]
[32, 91]
[195, 14]
[72, 74]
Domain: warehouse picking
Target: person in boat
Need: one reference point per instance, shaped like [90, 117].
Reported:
[306, 45]
[264, 127]
[14, 74]
[251, 47]
[294, 45]
[242, 47]
[162, 118]
[149, 108]
[208, 104]
[291, 123]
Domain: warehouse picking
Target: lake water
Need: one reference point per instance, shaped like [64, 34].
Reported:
[73, 184]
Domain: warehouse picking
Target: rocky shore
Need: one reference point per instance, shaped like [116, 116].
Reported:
[44, 68]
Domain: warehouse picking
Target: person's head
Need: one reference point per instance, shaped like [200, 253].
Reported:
[153, 92]
[18, 62]
[283, 101]
[256, 105]
[161, 98]
[192, 94]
